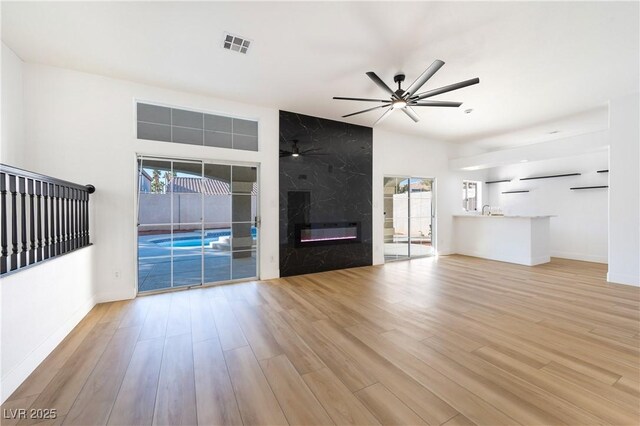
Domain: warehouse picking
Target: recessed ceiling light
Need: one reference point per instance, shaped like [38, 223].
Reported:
[236, 43]
[468, 111]
[524, 161]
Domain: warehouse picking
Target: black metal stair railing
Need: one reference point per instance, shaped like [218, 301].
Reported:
[40, 218]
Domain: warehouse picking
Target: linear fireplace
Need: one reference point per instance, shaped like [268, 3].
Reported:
[331, 233]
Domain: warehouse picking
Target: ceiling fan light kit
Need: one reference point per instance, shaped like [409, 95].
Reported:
[296, 152]
[404, 100]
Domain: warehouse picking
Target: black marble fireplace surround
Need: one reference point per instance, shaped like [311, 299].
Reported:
[325, 199]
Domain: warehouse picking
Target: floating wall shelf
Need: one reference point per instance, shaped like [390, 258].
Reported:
[550, 176]
[603, 171]
[498, 181]
[589, 187]
[514, 192]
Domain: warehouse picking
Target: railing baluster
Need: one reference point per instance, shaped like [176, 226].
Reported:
[3, 225]
[14, 222]
[70, 218]
[77, 199]
[85, 234]
[58, 222]
[87, 216]
[73, 219]
[52, 205]
[65, 218]
[23, 220]
[68, 229]
[45, 195]
[81, 215]
[32, 227]
[39, 212]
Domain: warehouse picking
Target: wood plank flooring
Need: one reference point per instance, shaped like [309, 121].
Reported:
[449, 341]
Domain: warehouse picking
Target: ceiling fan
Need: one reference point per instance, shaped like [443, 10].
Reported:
[404, 100]
[297, 152]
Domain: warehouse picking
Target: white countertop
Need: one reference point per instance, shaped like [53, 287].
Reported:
[502, 217]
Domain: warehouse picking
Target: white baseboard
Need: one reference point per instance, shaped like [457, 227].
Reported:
[19, 373]
[526, 262]
[626, 279]
[539, 260]
[580, 256]
[115, 296]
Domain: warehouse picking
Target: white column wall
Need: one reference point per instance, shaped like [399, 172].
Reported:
[624, 190]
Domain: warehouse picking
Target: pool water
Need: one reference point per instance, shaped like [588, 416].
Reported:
[196, 240]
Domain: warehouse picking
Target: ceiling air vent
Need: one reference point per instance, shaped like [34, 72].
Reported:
[236, 43]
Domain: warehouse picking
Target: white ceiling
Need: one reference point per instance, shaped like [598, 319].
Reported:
[540, 64]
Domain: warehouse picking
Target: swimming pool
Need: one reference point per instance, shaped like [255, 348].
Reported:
[194, 240]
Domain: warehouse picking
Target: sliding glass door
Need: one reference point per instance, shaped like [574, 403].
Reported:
[196, 223]
[408, 217]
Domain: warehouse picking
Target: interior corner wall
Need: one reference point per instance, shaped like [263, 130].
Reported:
[11, 122]
[578, 229]
[624, 190]
[396, 154]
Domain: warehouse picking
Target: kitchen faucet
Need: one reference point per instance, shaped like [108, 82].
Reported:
[486, 205]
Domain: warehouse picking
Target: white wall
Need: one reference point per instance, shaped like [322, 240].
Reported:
[579, 230]
[12, 143]
[81, 127]
[624, 191]
[405, 155]
[40, 306]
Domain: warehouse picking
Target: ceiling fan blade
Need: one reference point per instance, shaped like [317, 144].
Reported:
[383, 116]
[426, 75]
[446, 89]
[437, 104]
[310, 150]
[285, 154]
[365, 110]
[377, 80]
[411, 113]
[360, 99]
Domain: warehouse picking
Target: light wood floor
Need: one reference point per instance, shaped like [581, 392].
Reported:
[453, 341]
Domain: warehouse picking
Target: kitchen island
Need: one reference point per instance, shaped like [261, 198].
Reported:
[515, 239]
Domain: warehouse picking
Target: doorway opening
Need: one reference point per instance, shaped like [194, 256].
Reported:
[197, 223]
[409, 217]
